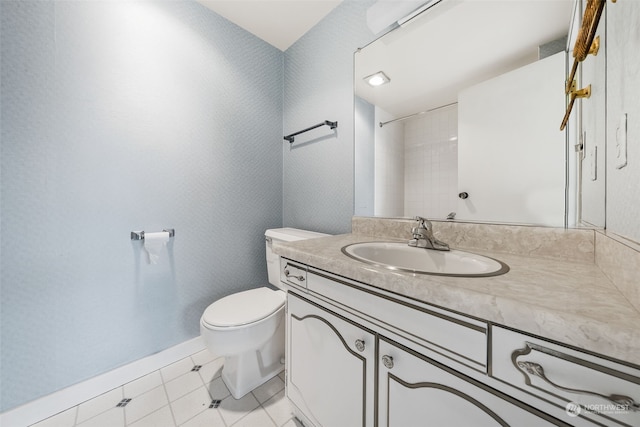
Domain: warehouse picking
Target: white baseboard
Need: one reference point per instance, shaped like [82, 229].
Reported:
[54, 403]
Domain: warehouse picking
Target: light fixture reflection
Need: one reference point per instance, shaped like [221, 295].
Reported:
[377, 79]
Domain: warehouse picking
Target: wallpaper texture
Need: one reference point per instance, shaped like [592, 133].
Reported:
[318, 85]
[123, 116]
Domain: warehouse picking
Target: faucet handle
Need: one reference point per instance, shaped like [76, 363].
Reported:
[423, 222]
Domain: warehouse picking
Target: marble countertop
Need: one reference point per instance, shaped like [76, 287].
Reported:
[567, 301]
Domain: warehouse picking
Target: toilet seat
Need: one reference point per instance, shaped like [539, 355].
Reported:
[243, 308]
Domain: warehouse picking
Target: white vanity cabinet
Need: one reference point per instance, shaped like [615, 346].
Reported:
[414, 390]
[330, 366]
[363, 356]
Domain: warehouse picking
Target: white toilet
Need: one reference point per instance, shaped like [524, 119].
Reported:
[247, 328]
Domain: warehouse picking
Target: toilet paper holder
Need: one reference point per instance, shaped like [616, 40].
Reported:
[139, 235]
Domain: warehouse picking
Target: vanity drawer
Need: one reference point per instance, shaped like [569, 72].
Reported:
[449, 336]
[607, 392]
[292, 273]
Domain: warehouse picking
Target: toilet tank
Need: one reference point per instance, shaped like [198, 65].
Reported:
[283, 235]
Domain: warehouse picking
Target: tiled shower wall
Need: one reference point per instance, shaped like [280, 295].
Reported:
[122, 116]
[416, 164]
[431, 163]
[389, 166]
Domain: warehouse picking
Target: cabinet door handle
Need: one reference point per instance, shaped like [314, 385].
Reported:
[291, 276]
[387, 361]
[360, 345]
[536, 369]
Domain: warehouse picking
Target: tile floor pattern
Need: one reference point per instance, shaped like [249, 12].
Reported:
[188, 393]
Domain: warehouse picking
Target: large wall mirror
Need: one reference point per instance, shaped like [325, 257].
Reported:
[466, 120]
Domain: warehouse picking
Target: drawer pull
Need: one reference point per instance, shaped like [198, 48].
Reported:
[360, 345]
[291, 276]
[536, 369]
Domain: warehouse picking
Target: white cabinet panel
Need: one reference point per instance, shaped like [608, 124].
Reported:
[414, 391]
[330, 366]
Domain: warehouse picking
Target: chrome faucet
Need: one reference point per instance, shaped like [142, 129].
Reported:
[423, 236]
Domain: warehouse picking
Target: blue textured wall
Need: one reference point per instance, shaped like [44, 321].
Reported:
[318, 85]
[121, 116]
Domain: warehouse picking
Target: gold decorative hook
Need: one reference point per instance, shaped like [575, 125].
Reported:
[595, 46]
[585, 92]
[587, 43]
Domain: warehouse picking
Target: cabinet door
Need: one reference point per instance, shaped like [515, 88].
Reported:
[330, 366]
[415, 391]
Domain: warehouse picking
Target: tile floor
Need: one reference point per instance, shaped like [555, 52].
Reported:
[188, 393]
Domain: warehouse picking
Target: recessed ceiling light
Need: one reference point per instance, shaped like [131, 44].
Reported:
[377, 79]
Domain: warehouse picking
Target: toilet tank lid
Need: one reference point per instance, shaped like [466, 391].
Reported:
[292, 234]
[244, 307]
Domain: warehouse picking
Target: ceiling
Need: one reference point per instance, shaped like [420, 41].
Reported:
[278, 22]
[465, 42]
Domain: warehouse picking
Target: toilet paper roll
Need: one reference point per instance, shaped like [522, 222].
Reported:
[154, 244]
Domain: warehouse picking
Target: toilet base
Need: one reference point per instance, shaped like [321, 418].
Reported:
[244, 372]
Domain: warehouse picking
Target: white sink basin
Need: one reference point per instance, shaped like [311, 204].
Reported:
[400, 256]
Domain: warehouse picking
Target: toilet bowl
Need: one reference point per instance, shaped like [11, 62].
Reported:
[248, 328]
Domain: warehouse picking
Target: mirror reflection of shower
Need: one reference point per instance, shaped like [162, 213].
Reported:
[473, 137]
[416, 168]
